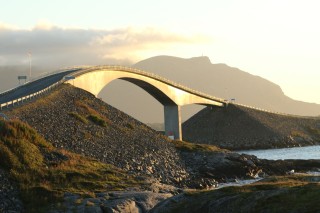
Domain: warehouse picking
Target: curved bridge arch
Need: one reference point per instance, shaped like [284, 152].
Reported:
[168, 93]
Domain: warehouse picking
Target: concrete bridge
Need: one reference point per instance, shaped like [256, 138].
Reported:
[170, 94]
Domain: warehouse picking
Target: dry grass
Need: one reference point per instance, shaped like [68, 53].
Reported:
[25, 153]
[274, 194]
[78, 117]
[191, 147]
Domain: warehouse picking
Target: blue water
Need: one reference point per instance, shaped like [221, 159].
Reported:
[309, 152]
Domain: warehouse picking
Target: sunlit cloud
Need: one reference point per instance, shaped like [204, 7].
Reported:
[53, 45]
[133, 43]
[4, 26]
[43, 25]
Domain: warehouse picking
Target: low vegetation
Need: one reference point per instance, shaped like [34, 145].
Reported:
[274, 194]
[78, 117]
[192, 147]
[91, 114]
[45, 173]
[97, 120]
[314, 131]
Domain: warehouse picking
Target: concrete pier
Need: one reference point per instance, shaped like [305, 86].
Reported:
[172, 121]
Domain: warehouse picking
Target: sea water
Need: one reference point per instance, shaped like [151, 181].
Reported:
[308, 152]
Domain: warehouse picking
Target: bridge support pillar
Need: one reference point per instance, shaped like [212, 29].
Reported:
[172, 121]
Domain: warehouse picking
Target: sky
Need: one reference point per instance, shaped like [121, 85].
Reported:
[277, 40]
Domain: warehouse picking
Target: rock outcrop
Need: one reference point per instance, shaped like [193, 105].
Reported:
[116, 202]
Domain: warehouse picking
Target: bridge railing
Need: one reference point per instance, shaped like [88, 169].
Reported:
[151, 75]
[275, 112]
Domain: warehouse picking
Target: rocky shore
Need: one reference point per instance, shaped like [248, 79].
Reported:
[74, 120]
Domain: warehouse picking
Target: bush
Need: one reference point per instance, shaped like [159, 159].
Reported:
[97, 120]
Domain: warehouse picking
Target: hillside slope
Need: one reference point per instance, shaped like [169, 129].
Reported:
[75, 120]
[44, 173]
[48, 171]
[238, 127]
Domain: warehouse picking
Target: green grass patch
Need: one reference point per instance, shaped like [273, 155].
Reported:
[45, 173]
[78, 117]
[88, 113]
[298, 133]
[192, 147]
[314, 131]
[97, 120]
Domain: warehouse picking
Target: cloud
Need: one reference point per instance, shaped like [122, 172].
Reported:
[58, 46]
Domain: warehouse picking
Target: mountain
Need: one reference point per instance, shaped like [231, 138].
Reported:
[227, 82]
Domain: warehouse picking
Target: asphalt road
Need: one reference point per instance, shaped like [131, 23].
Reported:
[34, 86]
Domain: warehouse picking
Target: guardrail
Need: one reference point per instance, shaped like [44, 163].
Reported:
[28, 97]
[43, 76]
[19, 101]
[275, 112]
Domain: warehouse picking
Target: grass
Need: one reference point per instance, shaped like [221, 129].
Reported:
[97, 120]
[314, 131]
[45, 173]
[78, 117]
[275, 194]
[88, 113]
[298, 133]
[192, 147]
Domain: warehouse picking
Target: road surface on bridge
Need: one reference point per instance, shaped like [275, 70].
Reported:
[33, 86]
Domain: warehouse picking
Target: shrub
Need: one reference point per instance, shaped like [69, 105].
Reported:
[97, 120]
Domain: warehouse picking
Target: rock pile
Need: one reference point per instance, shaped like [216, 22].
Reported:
[9, 195]
[123, 141]
[240, 128]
